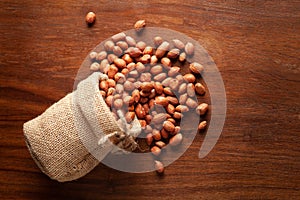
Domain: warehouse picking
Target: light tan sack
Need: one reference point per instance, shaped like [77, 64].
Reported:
[70, 138]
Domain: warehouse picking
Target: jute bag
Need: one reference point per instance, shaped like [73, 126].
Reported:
[72, 136]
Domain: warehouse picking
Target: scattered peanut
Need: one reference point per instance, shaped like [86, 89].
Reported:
[202, 125]
[139, 25]
[159, 167]
[90, 18]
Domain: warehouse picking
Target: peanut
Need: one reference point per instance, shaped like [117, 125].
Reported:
[118, 37]
[196, 68]
[202, 125]
[149, 138]
[189, 49]
[202, 108]
[157, 41]
[139, 25]
[200, 89]
[130, 41]
[155, 150]
[159, 167]
[178, 44]
[189, 78]
[169, 126]
[176, 139]
[90, 18]
[191, 103]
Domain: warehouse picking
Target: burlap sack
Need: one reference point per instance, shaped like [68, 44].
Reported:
[63, 141]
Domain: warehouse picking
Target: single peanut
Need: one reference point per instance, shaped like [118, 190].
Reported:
[183, 98]
[173, 53]
[153, 60]
[158, 118]
[174, 84]
[166, 62]
[140, 67]
[170, 109]
[103, 86]
[169, 126]
[119, 77]
[164, 133]
[101, 55]
[182, 57]
[149, 139]
[158, 88]
[191, 103]
[162, 49]
[146, 86]
[171, 120]
[173, 71]
[111, 57]
[160, 144]
[178, 44]
[200, 89]
[148, 50]
[111, 91]
[90, 18]
[129, 116]
[156, 134]
[202, 125]
[172, 100]
[109, 45]
[122, 44]
[166, 81]
[176, 139]
[168, 91]
[109, 100]
[140, 111]
[117, 51]
[202, 108]
[95, 66]
[130, 41]
[161, 101]
[190, 89]
[141, 45]
[159, 167]
[143, 123]
[136, 95]
[182, 88]
[134, 52]
[189, 48]
[177, 115]
[93, 55]
[104, 65]
[157, 41]
[103, 93]
[196, 68]
[118, 37]
[145, 77]
[128, 86]
[160, 77]
[189, 78]
[139, 25]
[182, 108]
[176, 130]
[157, 69]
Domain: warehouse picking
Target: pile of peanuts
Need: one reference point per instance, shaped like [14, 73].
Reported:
[145, 81]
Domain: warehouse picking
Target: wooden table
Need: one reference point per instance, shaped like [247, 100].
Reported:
[255, 45]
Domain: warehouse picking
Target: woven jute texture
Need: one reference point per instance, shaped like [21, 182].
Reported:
[63, 140]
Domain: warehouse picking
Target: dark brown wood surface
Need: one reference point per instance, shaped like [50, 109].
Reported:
[255, 45]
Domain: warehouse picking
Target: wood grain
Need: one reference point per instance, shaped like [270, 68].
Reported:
[256, 46]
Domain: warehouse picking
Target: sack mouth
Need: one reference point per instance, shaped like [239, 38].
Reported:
[34, 156]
